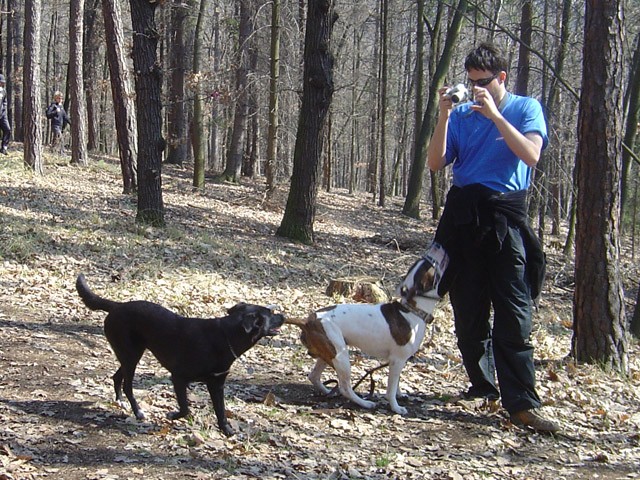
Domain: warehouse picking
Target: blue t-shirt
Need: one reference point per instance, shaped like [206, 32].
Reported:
[479, 153]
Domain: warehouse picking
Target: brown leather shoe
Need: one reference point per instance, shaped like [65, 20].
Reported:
[531, 418]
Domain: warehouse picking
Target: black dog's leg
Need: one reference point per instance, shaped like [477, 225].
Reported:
[129, 354]
[117, 385]
[128, 391]
[180, 387]
[216, 390]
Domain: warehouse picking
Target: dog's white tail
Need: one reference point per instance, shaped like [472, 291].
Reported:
[301, 322]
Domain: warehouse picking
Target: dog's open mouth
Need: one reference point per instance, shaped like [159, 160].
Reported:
[275, 328]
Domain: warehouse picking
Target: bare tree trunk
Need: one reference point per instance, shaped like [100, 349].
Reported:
[121, 92]
[236, 146]
[51, 41]
[374, 114]
[79, 153]
[176, 115]
[149, 114]
[384, 10]
[92, 43]
[434, 32]
[554, 154]
[631, 126]
[251, 164]
[327, 164]
[198, 136]
[522, 77]
[353, 146]
[17, 87]
[9, 65]
[272, 136]
[31, 91]
[600, 334]
[299, 216]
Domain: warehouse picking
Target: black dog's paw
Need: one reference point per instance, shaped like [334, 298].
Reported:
[140, 415]
[227, 430]
[177, 415]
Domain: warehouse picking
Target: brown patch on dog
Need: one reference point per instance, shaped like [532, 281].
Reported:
[315, 339]
[427, 278]
[398, 325]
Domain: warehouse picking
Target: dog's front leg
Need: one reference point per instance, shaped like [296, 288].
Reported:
[180, 387]
[395, 368]
[216, 390]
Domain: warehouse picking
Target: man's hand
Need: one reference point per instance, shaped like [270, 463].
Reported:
[484, 103]
[445, 104]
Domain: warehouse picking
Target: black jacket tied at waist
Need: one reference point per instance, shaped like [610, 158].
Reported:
[477, 217]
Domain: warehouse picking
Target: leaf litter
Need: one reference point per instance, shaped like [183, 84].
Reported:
[58, 418]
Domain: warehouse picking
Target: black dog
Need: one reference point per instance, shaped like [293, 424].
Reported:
[192, 349]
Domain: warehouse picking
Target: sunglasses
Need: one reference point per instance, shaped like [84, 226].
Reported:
[482, 82]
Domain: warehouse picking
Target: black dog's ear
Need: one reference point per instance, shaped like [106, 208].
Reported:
[236, 308]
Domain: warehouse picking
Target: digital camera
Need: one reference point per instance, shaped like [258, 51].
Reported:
[457, 94]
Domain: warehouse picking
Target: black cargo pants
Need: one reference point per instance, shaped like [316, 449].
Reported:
[488, 278]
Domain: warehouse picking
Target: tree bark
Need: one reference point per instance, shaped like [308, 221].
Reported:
[272, 136]
[237, 144]
[176, 116]
[92, 42]
[384, 57]
[148, 76]
[16, 88]
[198, 140]
[599, 317]
[631, 125]
[299, 216]
[522, 72]
[31, 91]
[9, 64]
[121, 92]
[79, 153]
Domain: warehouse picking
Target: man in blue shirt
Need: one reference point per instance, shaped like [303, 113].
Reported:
[497, 262]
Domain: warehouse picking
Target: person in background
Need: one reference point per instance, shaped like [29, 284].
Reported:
[492, 143]
[59, 120]
[4, 119]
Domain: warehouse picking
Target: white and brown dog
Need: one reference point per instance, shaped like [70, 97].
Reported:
[388, 331]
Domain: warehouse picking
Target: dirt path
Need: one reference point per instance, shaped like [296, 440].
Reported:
[57, 416]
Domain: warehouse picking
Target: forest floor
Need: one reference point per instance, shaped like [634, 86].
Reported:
[58, 418]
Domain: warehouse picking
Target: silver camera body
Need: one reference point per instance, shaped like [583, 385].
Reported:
[457, 94]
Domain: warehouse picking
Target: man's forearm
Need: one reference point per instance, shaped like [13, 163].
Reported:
[525, 147]
[437, 150]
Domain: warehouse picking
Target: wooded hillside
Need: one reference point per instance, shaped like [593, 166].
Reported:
[246, 150]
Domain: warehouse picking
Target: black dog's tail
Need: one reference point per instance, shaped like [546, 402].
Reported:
[90, 299]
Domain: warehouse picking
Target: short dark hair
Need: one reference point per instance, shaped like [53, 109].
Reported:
[486, 56]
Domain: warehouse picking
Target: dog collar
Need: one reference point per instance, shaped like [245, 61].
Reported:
[425, 316]
[235, 356]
